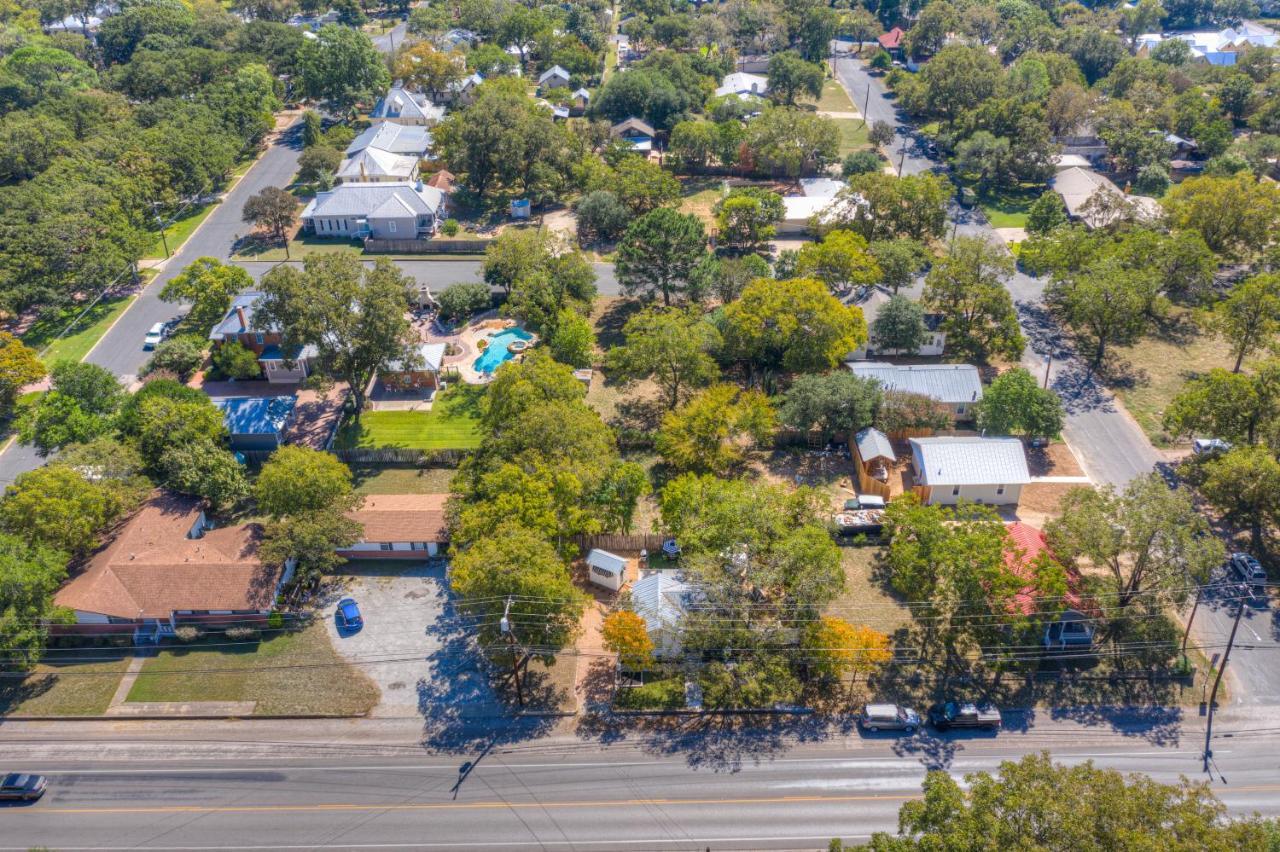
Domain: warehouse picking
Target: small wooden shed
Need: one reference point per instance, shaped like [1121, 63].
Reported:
[606, 569]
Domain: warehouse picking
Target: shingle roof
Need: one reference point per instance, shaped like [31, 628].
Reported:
[1077, 186]
[230, 326]
[410, 139]
[632, 124]
[256, 415]
[365, 199]
[402, 517]
[151, 568]
[970, 461]
[949, 383]
[874, 444]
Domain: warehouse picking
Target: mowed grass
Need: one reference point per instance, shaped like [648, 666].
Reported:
[288, 673]
[1156, 368]
[402, 480]
[177, 233]
[834, 98]
[699, 197]
[853, 135]
[86, 332]
[62, 686]
[453, 423]
[1008, 209]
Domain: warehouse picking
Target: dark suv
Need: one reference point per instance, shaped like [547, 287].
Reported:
[957, 715]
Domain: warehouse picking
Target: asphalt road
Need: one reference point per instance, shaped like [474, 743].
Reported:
[440, 273]
[701, 791]
[1111, 446]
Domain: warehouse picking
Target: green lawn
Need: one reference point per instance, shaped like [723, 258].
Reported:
[294, 672]
[834, 98]
[853, 135]
[665, 694]
[1008, 208]
[65, 688]
[177, 233]
[373, 479]
[42, 336]
[453, 423]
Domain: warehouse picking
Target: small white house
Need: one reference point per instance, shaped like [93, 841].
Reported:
[554, 77]
[606, 569]
[973, 469]
[741, 83]
[662, 601]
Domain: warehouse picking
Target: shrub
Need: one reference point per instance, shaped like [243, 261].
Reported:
[180, 355]
[860, 163]
[463, 300]
[187, 633]
[234, 360]
[881, 61]
[1152, 180]
[665, 694]
[242, 634]
[450, 227]
[275, 621]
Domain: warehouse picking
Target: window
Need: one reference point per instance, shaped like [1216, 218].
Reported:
[999, 490]
[260, 338]
[385, 545]
[955, 491]
[391, 227]
[960, 408]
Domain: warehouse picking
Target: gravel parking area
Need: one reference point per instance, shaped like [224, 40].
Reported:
[412, 645]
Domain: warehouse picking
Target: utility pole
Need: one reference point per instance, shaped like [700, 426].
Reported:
[866, 104]
[1048, 364]
[903, 158]
[505, 626]
[1191, 618]
[1217, 681]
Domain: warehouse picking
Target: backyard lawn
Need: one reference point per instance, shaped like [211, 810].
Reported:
[289, 673]
[372, 479]
[700, 196]
[1008, 208]
[864, 600]
[80, 339]
[453, 423]
[70, 689]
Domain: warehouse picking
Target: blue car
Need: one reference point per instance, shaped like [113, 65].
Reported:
[349, 615]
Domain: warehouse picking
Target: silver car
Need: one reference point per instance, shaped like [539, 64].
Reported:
[889, 717]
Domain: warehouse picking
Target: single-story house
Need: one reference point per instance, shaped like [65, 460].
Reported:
[458, 39]
[606, 569]
[399, 526]
[256, 423]
[800, 211]
[581, 100]
[463, 91]
[168, 565]
[892, 41]
[956, 386]
[1071, 161]
[554, 77]
[741, 83]
[408, 140]
[405, 107]
[974, 469]
[393, 210]
[1077, 186]
[638, 132]
[373, 165]
[422, 372]
[239, 325]
[935, 339]
[662, 601]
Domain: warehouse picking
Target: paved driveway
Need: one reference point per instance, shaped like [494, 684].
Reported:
[413, 646]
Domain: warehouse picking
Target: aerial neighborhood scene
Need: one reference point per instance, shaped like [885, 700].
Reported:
[640, 424]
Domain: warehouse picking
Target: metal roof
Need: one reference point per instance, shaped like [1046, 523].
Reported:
[970, 461]
[553, 71]
[256, 415]
[606, 561]
[375, 162]
[430, 357]
[660, 599]
[410, 139]
[949, 383]
[874, 444]
[376, 199]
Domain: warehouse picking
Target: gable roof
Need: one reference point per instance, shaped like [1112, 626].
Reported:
[242, 306]
[661, 600]
[1026, 543]
[256, 415]
[553, 71]
[970, 461]
[948, 383]
[633, 126]
[371, 200]
[740, 82]
[152, 568]
[606, 561]
[582, 93]
[1077, 185]
[402, 517]
[891, 39]
[410, 139]
[874, 444]
[401, 103]
[430, 357]
[374, 162]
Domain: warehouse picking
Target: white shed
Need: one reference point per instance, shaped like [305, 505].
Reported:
[606, 569]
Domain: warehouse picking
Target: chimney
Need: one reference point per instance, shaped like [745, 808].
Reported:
[244, 320]
[363, 177]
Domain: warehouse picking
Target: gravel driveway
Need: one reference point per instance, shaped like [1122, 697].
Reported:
[412, 645]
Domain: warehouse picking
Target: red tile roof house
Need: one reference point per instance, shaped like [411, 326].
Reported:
[167, 565]
[400, 526]
[892, 40]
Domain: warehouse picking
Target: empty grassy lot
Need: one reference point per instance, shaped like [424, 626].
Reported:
[73, 682]
[287, 673]
[834, 98]
[79, 340]
[402, 480]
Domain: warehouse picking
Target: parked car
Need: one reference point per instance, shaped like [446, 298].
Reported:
[1210, 446]
[889, 717]
[22, 787]
[154, 336]
[1247, 569]
[864, 501]
[349, 615]
[955, 714]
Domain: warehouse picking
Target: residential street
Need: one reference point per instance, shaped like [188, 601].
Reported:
[1109, 444]
[318, 785]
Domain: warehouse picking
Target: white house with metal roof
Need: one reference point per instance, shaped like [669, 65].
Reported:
[385, 211]
[973, 469]
[662, 600]
[740, 83]
[1214, 48]
[401, 105]
[554, 77]
[957, 386]
[373, 165]
[410, 140]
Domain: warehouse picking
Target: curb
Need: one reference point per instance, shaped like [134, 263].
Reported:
[174, 718]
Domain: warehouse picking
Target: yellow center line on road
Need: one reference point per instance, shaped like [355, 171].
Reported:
[457, 806]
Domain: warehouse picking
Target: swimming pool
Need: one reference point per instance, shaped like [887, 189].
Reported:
[499, 351]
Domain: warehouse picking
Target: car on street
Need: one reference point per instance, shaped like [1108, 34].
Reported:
[888, 717]
[349, 614]
[22, 787]
[1247, 569]
[956, 714]
[154, 336]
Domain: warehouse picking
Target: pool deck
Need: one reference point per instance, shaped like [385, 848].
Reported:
[467, 342]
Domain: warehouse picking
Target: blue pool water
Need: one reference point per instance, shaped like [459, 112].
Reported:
[498, 352]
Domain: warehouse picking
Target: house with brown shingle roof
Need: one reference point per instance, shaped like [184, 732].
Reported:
[399, 526]
[167, 565]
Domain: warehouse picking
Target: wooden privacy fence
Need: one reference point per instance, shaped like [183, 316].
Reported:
[374, 246]
[618, 541]
[867, 484]
[400, 455]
